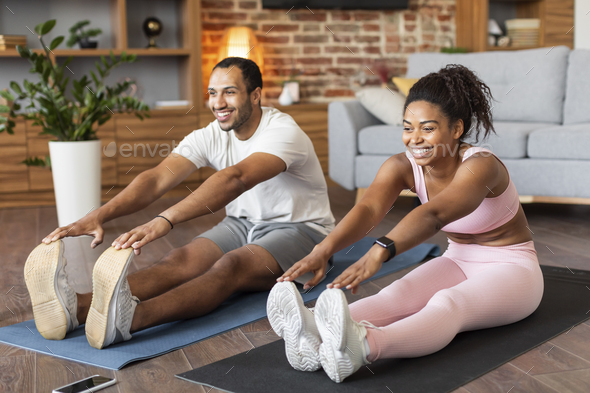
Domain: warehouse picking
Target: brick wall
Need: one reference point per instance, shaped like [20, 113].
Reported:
[328, 47]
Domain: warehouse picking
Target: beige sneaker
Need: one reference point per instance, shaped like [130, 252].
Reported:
[112, 308]
[54, 301]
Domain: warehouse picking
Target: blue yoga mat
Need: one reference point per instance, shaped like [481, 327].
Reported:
[235, 312]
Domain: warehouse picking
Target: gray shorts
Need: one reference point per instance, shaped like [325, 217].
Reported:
[288, 243]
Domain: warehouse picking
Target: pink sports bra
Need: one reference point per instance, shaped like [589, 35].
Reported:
[490, 214]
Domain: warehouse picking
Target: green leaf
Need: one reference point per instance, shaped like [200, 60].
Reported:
[46, 74]
[72, 40]
[4, 109]
[77, 86]
[5, 94]
[94, 78]
[36, 161]
[104, 61]
[47, 27]
[24, 52]
[100, 71]
[124, 56]
[79, 25]
[93, 32]
[14, 86]
[3, 119]
[55, 43]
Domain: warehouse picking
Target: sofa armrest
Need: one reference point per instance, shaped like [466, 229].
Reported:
[345, 120]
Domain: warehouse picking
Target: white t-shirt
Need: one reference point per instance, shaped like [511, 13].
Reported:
[298, 194]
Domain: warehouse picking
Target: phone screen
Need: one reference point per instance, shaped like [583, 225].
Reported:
[85, 385]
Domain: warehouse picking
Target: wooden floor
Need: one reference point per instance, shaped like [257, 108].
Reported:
[561, 234]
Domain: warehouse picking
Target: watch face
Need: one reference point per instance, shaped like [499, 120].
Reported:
[385, 241]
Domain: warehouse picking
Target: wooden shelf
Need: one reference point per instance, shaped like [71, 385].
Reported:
[117, 52]
[106, 52]
[500, 48]
[556, 16]
[14, 53]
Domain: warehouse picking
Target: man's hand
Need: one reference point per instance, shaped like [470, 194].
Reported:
[142, 235]
[90, 224]
[315, 262]
[358, 272]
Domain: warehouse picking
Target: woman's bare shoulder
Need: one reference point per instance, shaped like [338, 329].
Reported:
[399, 164]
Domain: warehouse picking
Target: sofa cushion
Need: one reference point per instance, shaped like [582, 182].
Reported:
[510, 140]
[577, 97]
[550, 177]
[529, 85]
[569, 142]
[381, 139]
[384, 104]
[366, 168]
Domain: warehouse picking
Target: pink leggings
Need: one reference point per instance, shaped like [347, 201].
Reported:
[469, 287]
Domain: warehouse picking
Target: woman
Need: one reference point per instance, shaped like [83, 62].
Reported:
[489, 275]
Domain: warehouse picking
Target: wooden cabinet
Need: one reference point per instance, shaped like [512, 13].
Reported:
[557, 21]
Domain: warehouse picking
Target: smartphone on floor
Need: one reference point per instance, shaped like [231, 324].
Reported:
[88, 385]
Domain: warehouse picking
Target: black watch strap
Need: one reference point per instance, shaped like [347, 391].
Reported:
[388, 244]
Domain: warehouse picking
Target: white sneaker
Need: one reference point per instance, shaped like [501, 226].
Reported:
[54, 301]
[112, 308]
[342, 351]
[295, 323]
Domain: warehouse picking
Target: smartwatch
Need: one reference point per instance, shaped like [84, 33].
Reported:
[388, 244]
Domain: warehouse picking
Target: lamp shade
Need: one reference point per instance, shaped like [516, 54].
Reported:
[494, 28]
[240, 42]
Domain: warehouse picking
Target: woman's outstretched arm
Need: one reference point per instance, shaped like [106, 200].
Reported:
[364, 216]
[471, 184]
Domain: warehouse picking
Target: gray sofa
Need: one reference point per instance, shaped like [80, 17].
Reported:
[541, 116]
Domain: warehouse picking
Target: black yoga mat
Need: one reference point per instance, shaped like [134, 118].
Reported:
[471, 354]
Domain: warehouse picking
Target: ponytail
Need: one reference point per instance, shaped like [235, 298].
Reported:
[459, 94]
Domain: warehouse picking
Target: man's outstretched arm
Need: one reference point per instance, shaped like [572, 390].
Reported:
[215, 193]
[142, 191]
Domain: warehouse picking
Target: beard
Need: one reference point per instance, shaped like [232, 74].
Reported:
[244, 113]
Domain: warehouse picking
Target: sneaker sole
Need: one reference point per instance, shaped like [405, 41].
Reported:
[109, 268]
[285, 313]
[331, 311]
[40, 274]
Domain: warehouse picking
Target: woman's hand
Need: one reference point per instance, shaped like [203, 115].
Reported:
[90, 224]
[142, 235]
[315, 262]
[364, 268]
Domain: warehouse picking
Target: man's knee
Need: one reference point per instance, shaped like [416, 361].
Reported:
[230, 265]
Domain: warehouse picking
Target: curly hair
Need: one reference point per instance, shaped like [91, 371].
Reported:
[459, 94]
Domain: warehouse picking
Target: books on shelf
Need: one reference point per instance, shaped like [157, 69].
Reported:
[523, 31]
[11, 41]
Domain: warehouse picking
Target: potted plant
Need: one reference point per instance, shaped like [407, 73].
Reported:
[80, 36]
[72, 117]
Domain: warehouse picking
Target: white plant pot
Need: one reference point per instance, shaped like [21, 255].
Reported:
[76, 178]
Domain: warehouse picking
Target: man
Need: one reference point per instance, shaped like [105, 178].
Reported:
[268, 179]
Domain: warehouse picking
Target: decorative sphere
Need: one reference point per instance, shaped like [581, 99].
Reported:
[152, 27]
